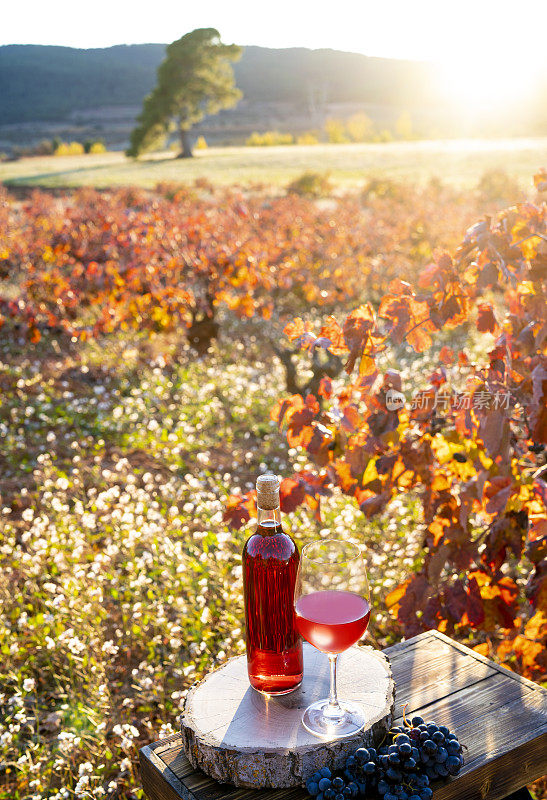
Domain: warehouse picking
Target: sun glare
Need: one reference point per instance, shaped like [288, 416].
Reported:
[480, 82]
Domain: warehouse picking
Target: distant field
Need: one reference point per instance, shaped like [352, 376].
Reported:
[459, 161]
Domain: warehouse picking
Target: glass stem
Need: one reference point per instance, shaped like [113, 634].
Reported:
[333, 711]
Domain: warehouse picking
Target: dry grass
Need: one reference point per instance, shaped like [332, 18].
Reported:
[458, 161]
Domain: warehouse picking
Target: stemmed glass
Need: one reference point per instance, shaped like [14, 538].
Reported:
[332, 606]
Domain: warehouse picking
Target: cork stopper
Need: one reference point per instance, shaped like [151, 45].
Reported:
[267, 491]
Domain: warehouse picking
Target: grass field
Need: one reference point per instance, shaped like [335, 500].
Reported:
[458, 161]
[120, 580]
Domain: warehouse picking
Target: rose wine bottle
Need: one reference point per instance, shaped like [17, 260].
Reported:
[270, 564]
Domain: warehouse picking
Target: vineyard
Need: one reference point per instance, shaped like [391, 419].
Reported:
[384, 349]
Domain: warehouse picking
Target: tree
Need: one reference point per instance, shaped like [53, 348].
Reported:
[360, 127]
[403, 126]
[335, 130]
[194, 79]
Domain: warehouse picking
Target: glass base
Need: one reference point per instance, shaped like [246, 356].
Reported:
[275, 693]
[317, 720]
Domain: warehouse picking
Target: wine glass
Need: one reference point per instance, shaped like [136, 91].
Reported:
[332, 607]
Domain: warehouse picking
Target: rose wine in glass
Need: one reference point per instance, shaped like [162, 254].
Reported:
[270, 565]
[332, 605]
[332, 621]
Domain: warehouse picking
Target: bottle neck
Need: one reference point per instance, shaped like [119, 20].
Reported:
[269, 517]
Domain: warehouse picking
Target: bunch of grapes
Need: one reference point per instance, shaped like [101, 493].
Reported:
[401, 769]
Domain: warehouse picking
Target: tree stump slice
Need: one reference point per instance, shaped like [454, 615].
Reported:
[238, 735]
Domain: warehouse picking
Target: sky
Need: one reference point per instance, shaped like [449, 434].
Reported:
[417, 29]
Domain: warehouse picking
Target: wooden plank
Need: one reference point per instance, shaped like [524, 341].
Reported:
[477, 699]
[158, 780]
[483, 660]
[501, 717]
[407, 644]
[507, 749]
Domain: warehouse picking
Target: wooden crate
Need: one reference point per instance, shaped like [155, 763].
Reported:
[499, 716]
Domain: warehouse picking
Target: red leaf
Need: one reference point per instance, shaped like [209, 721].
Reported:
[494, 431]
[374, 504]
[292, 493]
[486, 320]
[325, 388]
[332, 331]
[497, 492]
[538, 411]
[34, 334]
[356, 333]
[446, 355]
[296, 328]
[474, 608]
[239, 509]
[351, 418]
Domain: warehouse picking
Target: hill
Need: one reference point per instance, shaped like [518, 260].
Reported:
[48, 91]
[49, 83]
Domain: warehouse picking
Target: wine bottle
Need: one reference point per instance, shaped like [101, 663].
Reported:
[270, 565]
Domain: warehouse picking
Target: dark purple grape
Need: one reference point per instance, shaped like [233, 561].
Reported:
[312, 788]
[442, 770]
[416, 721]
[444, 730]
[392, 748]
[325, 772]
[372, 754]
[453, 747]
[452, 764]
[441, 755]
[410, 763]
[405, 749]
[437, 737]
[429, 747]
[402, 738]
[362, 755]
[329, 793]
[347, 792]
[339, 796]
[393, 775]
[338, 784]
[426, 793]
[324, 783]
[369, 768]
[382, 787]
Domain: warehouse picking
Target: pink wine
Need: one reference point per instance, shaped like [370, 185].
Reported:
[332, 621]
[270, 564]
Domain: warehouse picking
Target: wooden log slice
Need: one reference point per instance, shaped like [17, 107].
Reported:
[240, 736]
